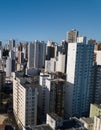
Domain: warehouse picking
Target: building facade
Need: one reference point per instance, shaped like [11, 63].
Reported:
[25, 91]
[78, 90]
[72, 36]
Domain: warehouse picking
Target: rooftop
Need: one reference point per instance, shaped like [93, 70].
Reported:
[27, 81]
[42, 127]
[97, 105]
[87, 120]
[54, 116]
[58, 79]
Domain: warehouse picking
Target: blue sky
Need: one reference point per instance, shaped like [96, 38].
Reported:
[29, 20]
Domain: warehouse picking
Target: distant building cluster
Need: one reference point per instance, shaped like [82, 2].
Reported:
[55, 86]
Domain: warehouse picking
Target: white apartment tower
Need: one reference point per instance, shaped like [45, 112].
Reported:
[79, 74]
[25, 100]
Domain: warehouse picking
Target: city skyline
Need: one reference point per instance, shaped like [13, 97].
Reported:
[49, 20]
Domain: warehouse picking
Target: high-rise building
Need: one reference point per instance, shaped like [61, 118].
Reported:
[97, 57]
[25, 92]
[55, 96]
[97, 74]
[12, 56]
[91, 41]
[42, 97]
[81, 39]
[72, 36]
[97, 84]
[50, 50]
[2, 81]
[8, 66]
[50, 65]
[36, 54]
[60, 64]
[20, 57]
[97, 46]
[25, 50]
[1, 53]
[51, 96]
[11, 44]
[78, 90]
[0, 44]
[64, 52]
[30, 63]
[39, 54]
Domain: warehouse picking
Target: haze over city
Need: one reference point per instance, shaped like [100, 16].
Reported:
[49, 19]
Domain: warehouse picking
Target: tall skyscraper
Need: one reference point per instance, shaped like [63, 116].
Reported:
[72, 36]
[79, 76]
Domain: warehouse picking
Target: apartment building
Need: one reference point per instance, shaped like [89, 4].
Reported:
[25, 92]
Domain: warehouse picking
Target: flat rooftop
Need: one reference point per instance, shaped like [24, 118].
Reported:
[97, 105]
[42, 127]
[55, 116]
[27, 81]
[58, 79]
[88, 120]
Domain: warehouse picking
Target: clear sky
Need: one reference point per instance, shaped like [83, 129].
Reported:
[29, 20]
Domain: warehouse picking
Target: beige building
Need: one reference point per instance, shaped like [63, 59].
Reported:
[25, 100]
[97, 123]
[88, 123]
[95, 110]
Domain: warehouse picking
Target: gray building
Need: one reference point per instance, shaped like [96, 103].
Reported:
[36, 54]
[2, 81]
